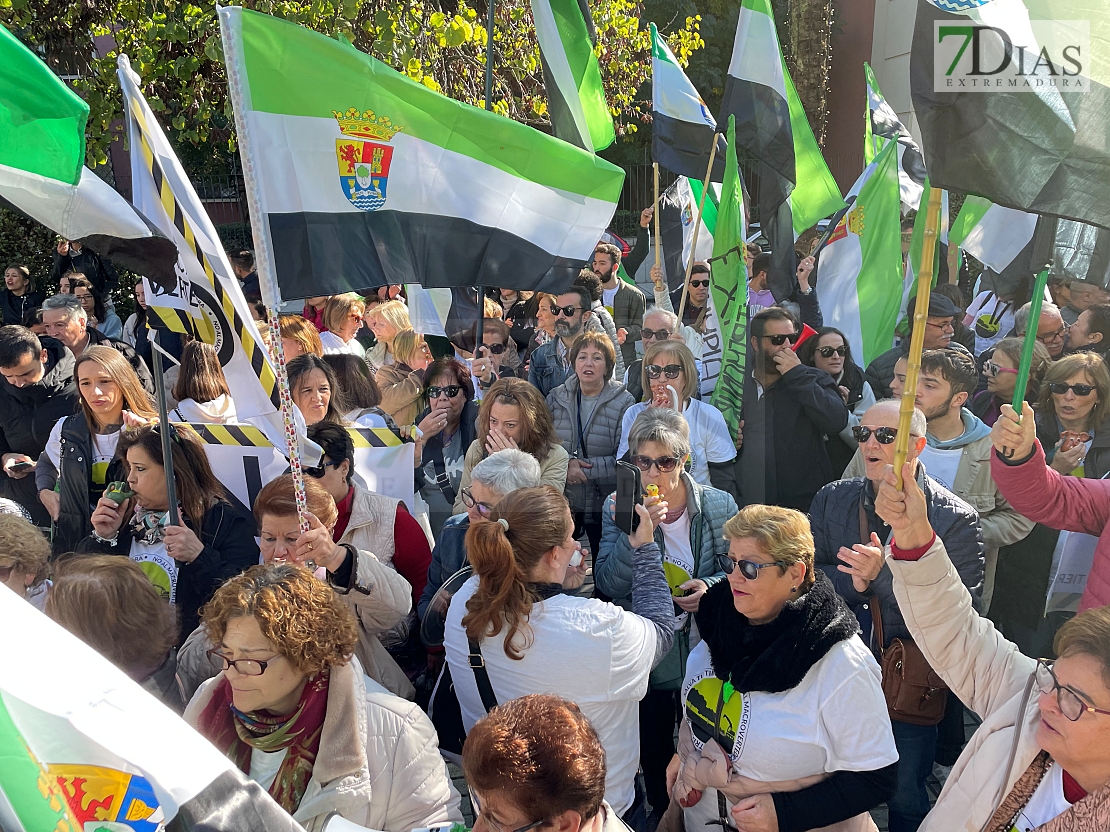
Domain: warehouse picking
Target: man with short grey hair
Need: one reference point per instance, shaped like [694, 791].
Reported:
[66, 320]
[1051, 329]
[849, 537]
[495, 477]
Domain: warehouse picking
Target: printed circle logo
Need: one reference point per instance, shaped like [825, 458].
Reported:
[957, 6]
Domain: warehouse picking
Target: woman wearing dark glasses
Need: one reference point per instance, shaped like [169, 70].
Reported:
[754, 752]
[1000, 371]
[690, 520]
[1072, 422]
[830, 351]
[670, 379]
[1041, 758]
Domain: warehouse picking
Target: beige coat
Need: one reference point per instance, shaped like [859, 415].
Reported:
[402, 389]
[553, 470]
[379, 763]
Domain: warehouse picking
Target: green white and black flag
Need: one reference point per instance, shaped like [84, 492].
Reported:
[882, 125]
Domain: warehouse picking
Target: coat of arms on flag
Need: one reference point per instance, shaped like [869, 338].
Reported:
[364, 165]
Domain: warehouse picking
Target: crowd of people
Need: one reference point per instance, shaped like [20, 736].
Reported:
[780, 636]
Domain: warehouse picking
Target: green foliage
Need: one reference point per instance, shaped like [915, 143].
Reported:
[25, 242]
[174, 45]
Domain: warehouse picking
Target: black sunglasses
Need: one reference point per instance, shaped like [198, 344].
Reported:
[749, 569]
[696, 283]
[670, 371]
[653, 334]
[665, 464]
[495, 349]
[321, 469]
[1060, 388]
[565, 311]
[884, 435]
[827, 352]
[779, 340]
[451, 390]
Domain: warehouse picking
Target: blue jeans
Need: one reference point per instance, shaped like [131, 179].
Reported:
[916, 747]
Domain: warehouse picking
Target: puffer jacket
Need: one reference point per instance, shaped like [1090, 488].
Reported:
[74, 484]
[629, 305]
[602, 321]
[597, 444]
[1066, 503]
[989, 675]
[834, 519]
[378, 764]
[709, 510]
[379, 598]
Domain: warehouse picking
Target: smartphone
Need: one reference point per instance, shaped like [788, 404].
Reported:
[20, 467]
[629, 495]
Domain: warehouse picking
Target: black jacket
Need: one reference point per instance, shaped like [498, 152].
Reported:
[99, 270]
[834, 519]
[75, 485]
[1096, 464]
[783, 460]
[229, 548]
[433, 450]
[14, 307]
[97, 338]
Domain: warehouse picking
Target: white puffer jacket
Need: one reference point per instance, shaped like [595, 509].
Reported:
[379, 763]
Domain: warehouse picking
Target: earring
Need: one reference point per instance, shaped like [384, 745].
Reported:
[793, 589]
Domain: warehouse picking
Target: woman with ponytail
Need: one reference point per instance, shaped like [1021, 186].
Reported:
[535, 638]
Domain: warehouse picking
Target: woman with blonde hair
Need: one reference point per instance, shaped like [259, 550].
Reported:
[24, 552]
[78, 460]
[343, 318]
[513, 414]
[201, 389]
[299, 336]
[385, 321]
[402, 382]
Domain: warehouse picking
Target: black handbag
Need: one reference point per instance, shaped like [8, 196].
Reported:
[444, 709]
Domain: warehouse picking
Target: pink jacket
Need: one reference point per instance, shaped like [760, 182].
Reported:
[1066, 503]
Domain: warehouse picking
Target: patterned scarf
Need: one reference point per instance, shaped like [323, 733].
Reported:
[236, 733]
[1091, 812]
[149, 526]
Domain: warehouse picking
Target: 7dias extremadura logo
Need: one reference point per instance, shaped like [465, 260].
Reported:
[1038, 56]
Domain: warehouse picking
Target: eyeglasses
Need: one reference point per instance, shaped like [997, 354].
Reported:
[468, 500]
[321, 469]
[495, 349]
[450, 391]
[565, 311]
[827, 352]
[1056, 335]
[883, 435]
[944, 327]
[670, 371]
[665, 464]
[993, 369]
[1060, 388]
[246, 667]
[779, 340]
[652, 334]
[496, 827]
[749, 569]
[1071, 706]
[694, 284]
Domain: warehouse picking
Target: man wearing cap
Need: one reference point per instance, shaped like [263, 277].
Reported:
[938, 336]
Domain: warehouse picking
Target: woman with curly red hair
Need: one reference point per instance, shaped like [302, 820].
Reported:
[293, 710]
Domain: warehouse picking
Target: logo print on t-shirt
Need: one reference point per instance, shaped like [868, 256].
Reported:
[676, 575]
[702, 702]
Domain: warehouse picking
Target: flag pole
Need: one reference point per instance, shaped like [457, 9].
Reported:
[917, 336]
[697, 228]
[479, 327]
[164, 431]
[655, 209]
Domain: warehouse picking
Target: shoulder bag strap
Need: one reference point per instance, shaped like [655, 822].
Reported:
[481, 676]
[876, 614]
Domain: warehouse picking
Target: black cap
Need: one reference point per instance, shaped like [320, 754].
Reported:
[941, 306]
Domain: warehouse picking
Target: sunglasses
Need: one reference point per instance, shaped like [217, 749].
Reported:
[694, 284]
[779, 340]
[665, 464]
[749, 569]
[993, 369]
[883, 435]
[495, 349]
[670, 371]
[827, 352]
[450, 391]
[565, 311]
[1060, 388]
[653, 334]
[320, 470]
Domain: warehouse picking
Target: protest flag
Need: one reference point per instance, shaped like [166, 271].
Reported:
[86, 748]
[861, 263]
[43, 173]
[571, 74]
[991, 234]
[682, 128]
[729, 287]
[882, 125]
[364, 177]
[1013, 102]
[448, 313]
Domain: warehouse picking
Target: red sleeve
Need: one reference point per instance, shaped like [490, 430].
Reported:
[910, 554]
[411, 553]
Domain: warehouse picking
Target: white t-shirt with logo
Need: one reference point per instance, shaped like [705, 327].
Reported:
[159, 567]
[103, 445]
[811, 729]
[942, 464]
[1047, 802]
[609, 297]
[678, 559]
[710, 439]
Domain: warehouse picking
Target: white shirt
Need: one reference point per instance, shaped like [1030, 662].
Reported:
[608, 297]
[987, 305]
[942, 464]
[590, 652]
[811, 729]
[710, 440]
[334, 345]
[104, 450]
[1047, 802]
[678, 562]
[160, 569]
[265, 765]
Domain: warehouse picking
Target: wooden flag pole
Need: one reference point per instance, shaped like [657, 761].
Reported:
[655, 215]
[697, 228]
[917, 336]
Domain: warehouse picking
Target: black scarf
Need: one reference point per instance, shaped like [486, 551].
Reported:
[773, 657]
